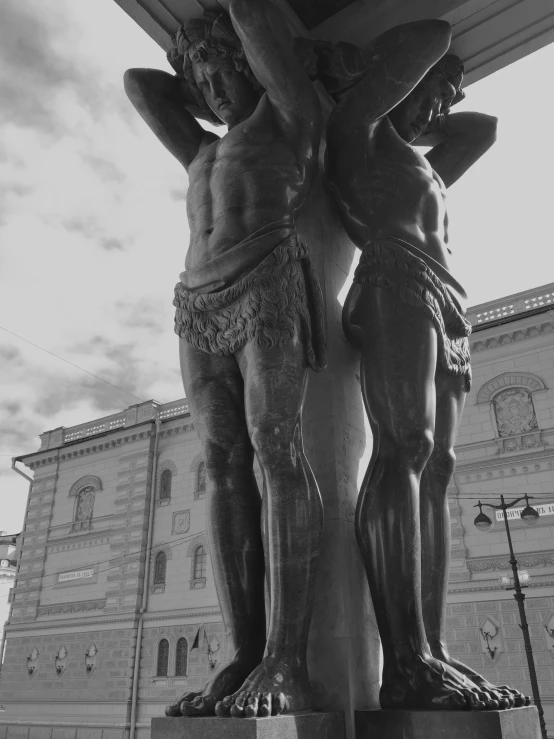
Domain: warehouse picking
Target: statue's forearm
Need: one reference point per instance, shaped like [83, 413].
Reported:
[396, 62]
[461, 140]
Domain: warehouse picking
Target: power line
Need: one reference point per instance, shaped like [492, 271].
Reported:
[72, 364]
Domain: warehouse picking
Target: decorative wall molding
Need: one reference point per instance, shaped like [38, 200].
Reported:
[130, 620]
[509, 379]
[513, 336]
[520, 464]
[83, 541]
[177, 430]
[181, 522]
[88, 451]
[540, 559]
[86, 481]
[77, 607]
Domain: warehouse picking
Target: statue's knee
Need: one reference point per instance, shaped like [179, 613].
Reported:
[444, 461]
[415, 448]
[225, 455]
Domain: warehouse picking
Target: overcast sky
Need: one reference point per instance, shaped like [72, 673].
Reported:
[93, 229]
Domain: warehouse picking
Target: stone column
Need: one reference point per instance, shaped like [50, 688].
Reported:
[344, 650]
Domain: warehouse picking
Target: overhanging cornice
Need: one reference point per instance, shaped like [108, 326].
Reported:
[487, 34]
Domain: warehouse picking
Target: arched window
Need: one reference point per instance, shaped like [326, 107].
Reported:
[165, 484]
[199, 563]
[181, 657]
[201, 479]
[84, 508]
[163, 658]
[159, 568]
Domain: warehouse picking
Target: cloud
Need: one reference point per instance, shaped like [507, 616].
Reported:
[178, 193]
[89, 228]
[10, 355]
[112, 244]
[36, 70]
[9, 192]
[105, 169]
[146, 314]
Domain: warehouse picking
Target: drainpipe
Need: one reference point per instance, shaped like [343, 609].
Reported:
[30, 479]
[136, 668]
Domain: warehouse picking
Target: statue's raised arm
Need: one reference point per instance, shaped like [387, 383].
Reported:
[270, 53]
[396, 62]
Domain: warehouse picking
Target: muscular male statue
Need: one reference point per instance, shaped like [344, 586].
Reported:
[249, 316]
[405, 315]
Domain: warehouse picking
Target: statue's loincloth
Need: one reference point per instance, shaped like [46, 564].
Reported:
[391, 264]
[272, 304]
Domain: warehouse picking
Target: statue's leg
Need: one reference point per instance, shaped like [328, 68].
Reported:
[398, 361]
[214, 388]
[435, 532]
[275, 382]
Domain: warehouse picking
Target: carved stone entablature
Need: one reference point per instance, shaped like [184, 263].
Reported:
[84, 540]
[89, 450]
[541, 559]
[176, 430]
[518, 464]
[59, 608]
[509, 379]
[532, 440]
[512, 336]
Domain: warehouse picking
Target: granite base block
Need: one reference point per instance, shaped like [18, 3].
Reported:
[294, 726]
[515, 723]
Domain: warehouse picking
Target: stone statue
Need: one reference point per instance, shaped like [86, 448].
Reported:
[250, 320]
[405, 314]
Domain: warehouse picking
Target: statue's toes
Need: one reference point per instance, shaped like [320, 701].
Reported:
[223, 708]
[237, 709]
[252, 705]
[266, 702]
[280, 704]
[173, 710]
[476, 702]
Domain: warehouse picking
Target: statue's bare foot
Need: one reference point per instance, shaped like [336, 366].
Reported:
[271, 689]
[431, 685]
[228, 679]
[506, 696]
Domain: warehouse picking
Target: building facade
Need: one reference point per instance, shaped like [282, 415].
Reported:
[506, 447]
[71, 639]
[115, 525]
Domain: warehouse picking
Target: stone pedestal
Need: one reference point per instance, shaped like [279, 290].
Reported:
[517, 723]
[296, 726]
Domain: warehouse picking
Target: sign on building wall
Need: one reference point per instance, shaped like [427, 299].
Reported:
[543, 510]
[75, 575]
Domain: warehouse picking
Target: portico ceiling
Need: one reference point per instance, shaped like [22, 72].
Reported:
[488, 34]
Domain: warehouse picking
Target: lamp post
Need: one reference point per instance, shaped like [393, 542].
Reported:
[529, 516]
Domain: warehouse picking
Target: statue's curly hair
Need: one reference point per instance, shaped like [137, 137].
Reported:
[451, 68]
[209, 37]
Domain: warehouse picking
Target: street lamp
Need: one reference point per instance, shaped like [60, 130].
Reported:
[529, 516]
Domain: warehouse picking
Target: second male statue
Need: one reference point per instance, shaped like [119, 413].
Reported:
[250, 322]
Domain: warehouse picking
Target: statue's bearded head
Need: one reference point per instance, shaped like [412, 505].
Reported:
[210, 56]
[438, 91]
